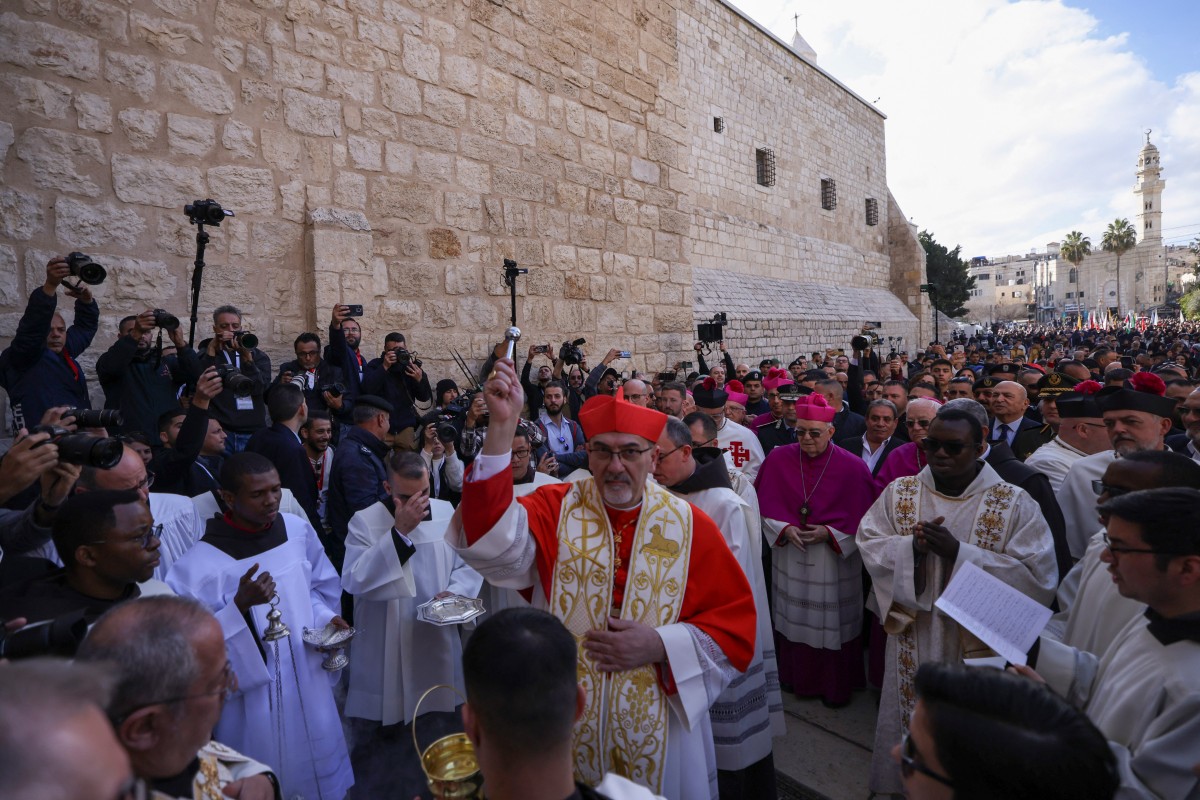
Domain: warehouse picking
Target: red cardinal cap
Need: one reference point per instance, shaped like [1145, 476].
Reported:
[604, 414]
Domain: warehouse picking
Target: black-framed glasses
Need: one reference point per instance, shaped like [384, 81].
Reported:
[809, 433]
[629, 455]
[931, 445]
[706, 443]
[522, 453]
[1100, 487]
[153, 532]
[909, 763]
[1120, 549]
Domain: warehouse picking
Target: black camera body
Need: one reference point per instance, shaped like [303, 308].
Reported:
[246, 339]
[334, 389]
[101, 452]
[165, 320]
[570, 353]
[403, 359]
[96, 418]
[85, 269]
[713, 331]
[234, 381]
[206, 212]
[60, 636]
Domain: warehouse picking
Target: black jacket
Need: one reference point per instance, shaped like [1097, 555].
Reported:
[848, 425]
[395, 386]
[356, 479]
[181, 469]
[854, 445]
[143, 384]
[1001, 459]
[283, 449]
[224, 407]
[347, 359]
[327, 375]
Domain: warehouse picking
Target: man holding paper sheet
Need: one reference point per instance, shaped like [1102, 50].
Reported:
[916, 536]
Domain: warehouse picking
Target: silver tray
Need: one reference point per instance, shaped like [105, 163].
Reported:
[328, 638]
[453, 610]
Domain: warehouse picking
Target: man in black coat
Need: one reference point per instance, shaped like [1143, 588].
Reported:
[316, 373]
[240, 413]
[359, 471]
[281, 445]
[345, 336]
[193, 443]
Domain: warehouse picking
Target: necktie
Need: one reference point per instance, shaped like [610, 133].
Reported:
[1004, 431]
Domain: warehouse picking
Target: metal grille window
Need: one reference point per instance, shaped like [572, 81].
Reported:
[828, 194]
[872, 211]
[764, 162]
[719, 124]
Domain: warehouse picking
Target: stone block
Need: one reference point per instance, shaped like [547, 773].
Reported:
[42, 98]
[414, 279]
[238, 139]
[235, 19]
[292, 196]
[10, 289]
[444, 106]
[64, 161]
[274, 239]
[392, 197]
[478, 314]
[298, 72]
[440, 314]
[365, 153]
[245, 189]
[168, 35]
[400, 93]
[401, 314]
[311, 115]
[21, 215]
[229, 53]
[204, 88]
[359, 55]
[314, 42]
[78, 224]
[107, 21]
[191, 136]
[7, 137]
[473, 175]
[518, 219]
[153, 182]
[93, 112]
[136, 284]
[429, 134]
[38, 45]
[350, 84]
[460, 75]
[380, 34]
[140, 126]
[282, 150]
[462, 279]
[421, 59]
[514, 183]
[350, 190]
[643, 170]
[348, 252]
[444, 243]
[434, 167]
[463, 211]
[399, 157]
[380, 123]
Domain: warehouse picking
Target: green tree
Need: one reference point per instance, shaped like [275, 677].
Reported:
[1075, 248]
[1189, 305]
[945, 270]
[1119, 238]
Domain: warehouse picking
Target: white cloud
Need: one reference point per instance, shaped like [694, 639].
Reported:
[1009, 123]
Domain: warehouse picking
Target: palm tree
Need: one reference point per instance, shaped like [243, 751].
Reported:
[1119, 239]
[1075, 248]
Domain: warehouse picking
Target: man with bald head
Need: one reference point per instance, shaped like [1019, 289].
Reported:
[1188, 442]
[636, 392]
[39, 369]
[1008, 404]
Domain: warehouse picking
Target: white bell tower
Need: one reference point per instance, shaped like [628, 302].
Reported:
[1149, 190]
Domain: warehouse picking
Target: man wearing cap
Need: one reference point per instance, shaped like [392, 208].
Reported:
[783, 430]
[358, 477]
[755, 386]
[812, 495]
[659, 605]
[1138, 417]
[749, 713]
[1081, 432]
[735, 404]
[742, 450]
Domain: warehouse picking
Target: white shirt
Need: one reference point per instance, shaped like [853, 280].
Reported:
[872, 458]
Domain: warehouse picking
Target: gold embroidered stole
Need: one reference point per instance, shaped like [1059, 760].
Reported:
[988, 532]
[624, 725]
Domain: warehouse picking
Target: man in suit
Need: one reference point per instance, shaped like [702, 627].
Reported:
[879, 439]
[314, 372]
[281, 445]
[1188, 443]
[1008, 403]
[845, 421]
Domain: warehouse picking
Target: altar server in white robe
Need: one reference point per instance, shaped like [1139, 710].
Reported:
[283, 713]
[663, 615]
[920, 530]
[1143, 693]
[397, 558]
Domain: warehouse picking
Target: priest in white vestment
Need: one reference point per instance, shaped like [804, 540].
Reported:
[283, 712]
[743, 451]
[955, 510]
[663, 614]
[397, 559]
[749, 713]
[1081, 433]
[1143, 692]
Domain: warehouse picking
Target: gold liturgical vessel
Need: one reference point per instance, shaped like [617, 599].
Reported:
[449, 764]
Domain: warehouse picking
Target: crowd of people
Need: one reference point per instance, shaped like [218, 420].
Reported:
[704, 542]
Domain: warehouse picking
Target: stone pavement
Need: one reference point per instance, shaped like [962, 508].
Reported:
[826, 754]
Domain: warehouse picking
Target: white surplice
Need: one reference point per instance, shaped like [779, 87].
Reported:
[1091, 610]
[397, 657]
[207, 506]
[1077, 499]
[1144, 697]
[1024, 559]
[1054, 459]
[283, 713]
[743, 451]
[749, 713]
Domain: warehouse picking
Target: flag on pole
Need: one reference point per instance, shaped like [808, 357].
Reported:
[1154, 317]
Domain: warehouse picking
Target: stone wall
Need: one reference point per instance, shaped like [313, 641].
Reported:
[393, 152]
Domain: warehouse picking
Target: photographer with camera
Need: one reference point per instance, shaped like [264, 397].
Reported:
[345, 336]
[533, 391]
[444, 466]
[323, 384]
[32, 460]
[603, 378]
[246, 373]
[193, 443]
[726, 360]
[139, 378]
[397, 377]
[39, 370]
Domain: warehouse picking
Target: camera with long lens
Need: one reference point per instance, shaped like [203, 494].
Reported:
[206, 212]
[165, 320]
[55, 637]
[101, 452]
[85, 269]
[403, 359]
[713, 331]
[334, 389]
[246, 339]
[570, 352]
[232, 380]
[96, 418]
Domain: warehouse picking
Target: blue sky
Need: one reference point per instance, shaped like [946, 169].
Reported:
[1043, 104]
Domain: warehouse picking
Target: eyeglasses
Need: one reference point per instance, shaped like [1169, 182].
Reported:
[629, 455]
[930, 445]
[917, 423]
[909, 763]
[522, 453]
[154, 532]
[1120, 549]
[662, 456]
[228, 685]
[1100, 487]
[702, 444]
[810, 433]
